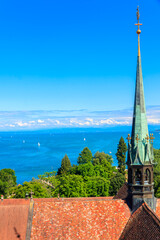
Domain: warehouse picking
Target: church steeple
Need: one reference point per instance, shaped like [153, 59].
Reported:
[140, 149]
[139, 125]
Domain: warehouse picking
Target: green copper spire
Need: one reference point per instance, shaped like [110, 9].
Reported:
[140, 149]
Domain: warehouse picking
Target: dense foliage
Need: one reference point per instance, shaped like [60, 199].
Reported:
[39, 190]
[93, 176]
[7, 181]
[156, 173]
[116, 183]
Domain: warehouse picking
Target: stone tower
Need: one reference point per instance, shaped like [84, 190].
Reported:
[140, 146]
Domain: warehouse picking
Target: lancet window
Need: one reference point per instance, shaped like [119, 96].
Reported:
[147, 177]
[138, 177]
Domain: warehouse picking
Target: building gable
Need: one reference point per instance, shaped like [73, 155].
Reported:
[143, 224]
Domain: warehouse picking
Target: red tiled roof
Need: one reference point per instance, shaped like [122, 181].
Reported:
[122, 192]
[79, 218]
[143, 224]
[13, 218]
[158, 207]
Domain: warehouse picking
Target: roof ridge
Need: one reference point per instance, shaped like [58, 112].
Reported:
[61, 199]
[14, 201]
[154, 215]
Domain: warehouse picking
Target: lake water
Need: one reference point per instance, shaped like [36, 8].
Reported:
[31, 153]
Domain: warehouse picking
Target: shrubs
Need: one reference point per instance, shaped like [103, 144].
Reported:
[7, 181]
[94, 176]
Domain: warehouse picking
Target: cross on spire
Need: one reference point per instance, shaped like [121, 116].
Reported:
[138, 15]
[138, 24]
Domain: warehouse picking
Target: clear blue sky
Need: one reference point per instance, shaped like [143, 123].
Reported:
[71, 55]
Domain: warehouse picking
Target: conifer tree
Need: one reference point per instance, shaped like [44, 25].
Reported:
[85, 156]
[121, 156]
[65, 165]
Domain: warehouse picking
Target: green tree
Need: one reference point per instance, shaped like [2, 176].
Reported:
[85, 156]
[7, 181]
[121, 156]
[49, 179]
[116, 183]
[156, 172]
[86, 169]
[47, 175]
[70, 186]
[39, 190]
[65, 165]
[103, 165]
[102, 158]
[96, 186]
[101, 171]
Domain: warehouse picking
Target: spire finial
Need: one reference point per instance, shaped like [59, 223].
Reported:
[138, 15]
[138, 31]
[138, 24]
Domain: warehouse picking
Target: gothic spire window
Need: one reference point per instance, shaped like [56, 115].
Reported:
[138, 177]
[147, 177]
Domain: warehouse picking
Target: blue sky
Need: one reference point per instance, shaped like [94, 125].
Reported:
[73, 55]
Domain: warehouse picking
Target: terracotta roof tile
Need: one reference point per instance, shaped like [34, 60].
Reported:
[122, 193]
[158, 207]
[13, 218]
[79, 218]
[143, 224]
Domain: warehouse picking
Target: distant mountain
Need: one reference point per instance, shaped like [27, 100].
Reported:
[15, 120]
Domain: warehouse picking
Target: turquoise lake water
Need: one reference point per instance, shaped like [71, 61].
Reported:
[31, 153]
